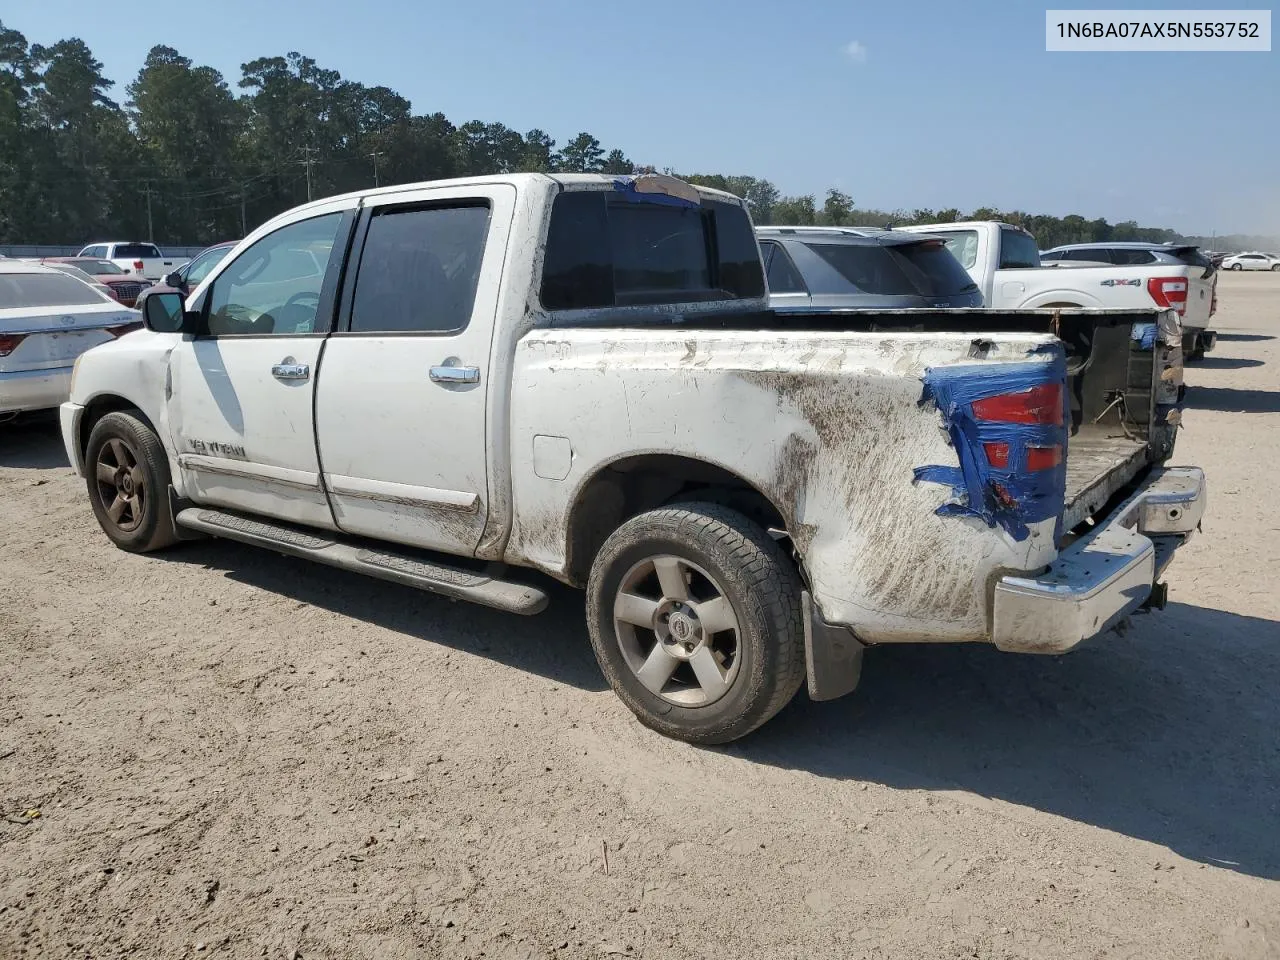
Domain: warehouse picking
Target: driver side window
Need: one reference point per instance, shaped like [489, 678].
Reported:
[273, 287]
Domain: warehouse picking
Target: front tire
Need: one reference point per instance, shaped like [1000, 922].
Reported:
[127, 475]
[1237, 266]
[694, 616]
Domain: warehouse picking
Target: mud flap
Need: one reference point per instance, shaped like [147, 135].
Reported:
[832, 655]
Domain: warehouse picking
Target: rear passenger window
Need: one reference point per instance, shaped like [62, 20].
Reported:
[419, 270]
[1090, 255]
[604, 251]
[1017, 250]
[1131, 258]
[782, 273]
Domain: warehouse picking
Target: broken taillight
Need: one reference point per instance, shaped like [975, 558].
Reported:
[1041, 404]
[1169, 293]
[1038, 458]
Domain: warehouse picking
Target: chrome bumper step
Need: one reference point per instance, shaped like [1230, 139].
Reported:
[411, 570]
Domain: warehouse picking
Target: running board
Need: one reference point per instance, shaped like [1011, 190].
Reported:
[331, 549]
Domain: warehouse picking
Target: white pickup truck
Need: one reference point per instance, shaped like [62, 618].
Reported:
[141, 258]
[494, 380]
[1004, 261]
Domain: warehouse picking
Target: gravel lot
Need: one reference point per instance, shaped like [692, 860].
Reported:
[236, 754]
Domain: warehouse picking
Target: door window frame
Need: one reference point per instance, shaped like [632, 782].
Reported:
[360, 234]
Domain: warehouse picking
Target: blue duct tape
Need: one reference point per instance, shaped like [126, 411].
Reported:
[1144, 334]
[624, 188]
[1013, 496]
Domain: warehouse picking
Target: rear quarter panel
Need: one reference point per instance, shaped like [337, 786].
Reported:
[829, 427]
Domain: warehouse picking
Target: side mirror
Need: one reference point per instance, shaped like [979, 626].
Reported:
[175, 280]
[163, 312]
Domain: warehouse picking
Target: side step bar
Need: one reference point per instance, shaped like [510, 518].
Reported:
[403, 568]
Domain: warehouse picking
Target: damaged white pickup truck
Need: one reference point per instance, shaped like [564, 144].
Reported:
[578, 375]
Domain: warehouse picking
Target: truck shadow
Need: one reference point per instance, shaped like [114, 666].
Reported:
[553, 644]
[1227, 363]
[1167, 734]
[32, 442]
[1231, 400]
[1245, 337]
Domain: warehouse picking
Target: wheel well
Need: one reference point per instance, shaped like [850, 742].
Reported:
[629, 487]
[99, 407]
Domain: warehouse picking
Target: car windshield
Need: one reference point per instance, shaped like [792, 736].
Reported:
[99, 267]
[137, 251]
[201, 266]
[923, 268]
[46, 290]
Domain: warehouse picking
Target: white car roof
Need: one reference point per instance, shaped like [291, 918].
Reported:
[25, 266]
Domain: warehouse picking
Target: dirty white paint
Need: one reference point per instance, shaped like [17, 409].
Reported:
[828, 426]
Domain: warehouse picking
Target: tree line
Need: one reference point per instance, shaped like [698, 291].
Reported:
[187, 160]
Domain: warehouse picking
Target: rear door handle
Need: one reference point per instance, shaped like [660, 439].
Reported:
[445, 374]
[290, 369]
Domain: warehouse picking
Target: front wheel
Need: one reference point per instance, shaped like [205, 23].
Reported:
[127, 474]
[1275, 268]
[694, 616]
[1237, 266]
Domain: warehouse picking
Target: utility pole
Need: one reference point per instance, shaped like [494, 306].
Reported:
[244, 229]
[308, 151]
[151, 233]
[374, 157]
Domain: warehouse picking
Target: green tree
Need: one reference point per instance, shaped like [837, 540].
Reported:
[837, 210]
[796, 211]
[539, 153]
[617, 162]
[582, 154]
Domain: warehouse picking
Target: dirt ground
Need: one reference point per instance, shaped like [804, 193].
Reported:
[235, 754]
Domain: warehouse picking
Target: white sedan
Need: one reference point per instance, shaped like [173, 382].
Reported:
[47, 319]
[1251, 261]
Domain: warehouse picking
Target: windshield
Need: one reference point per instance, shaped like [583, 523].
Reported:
[924, 268]
[99, 267]
[202, 264]
[46, 290]
[137, 251]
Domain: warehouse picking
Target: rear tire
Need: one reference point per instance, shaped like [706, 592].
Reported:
[1237, 266]
[127, 476]
[1275, 268]
[694, 616]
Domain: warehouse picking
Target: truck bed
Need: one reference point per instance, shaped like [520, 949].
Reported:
[1100, 460]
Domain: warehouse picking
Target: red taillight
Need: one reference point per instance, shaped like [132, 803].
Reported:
[1039, 405]
[1043, 458]
[137, 265]
[1038, 458]
[1169, 292]
[124, 328]
[9, 342]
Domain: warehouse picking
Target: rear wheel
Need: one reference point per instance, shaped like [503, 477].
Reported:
[127, 474]
[1237, 266]
[1275, 268]
[694, 616]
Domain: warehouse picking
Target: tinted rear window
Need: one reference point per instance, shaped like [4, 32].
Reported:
[603, 252]
[137, 251]
[924, 269]
[1017, 250]
[46, 290]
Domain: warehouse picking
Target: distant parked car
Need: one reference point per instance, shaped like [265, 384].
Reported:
[833, 268]
[125, 286]
[188, 276]
[83, 277]
[1131, 254]
[143, 258]
[47, 319]
[1251, 261]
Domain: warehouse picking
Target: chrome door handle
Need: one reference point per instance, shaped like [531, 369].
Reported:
[289, 369]
[455, 374]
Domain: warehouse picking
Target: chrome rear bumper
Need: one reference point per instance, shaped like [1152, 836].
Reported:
[1104, 576]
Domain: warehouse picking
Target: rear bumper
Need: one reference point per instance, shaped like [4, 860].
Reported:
[34, 389]
[1102, 577]
[69, 416]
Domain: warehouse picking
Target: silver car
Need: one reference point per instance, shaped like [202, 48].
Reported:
[47, 319]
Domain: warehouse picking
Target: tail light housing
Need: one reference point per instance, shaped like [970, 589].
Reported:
[1169, 293]
[137, 266]
[9, 342]
[1040, 405]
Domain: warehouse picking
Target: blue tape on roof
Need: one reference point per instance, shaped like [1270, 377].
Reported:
[624, 188]
[1145, 335]
[1012, 497]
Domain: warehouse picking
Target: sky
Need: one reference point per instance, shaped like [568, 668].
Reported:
[929, 103]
